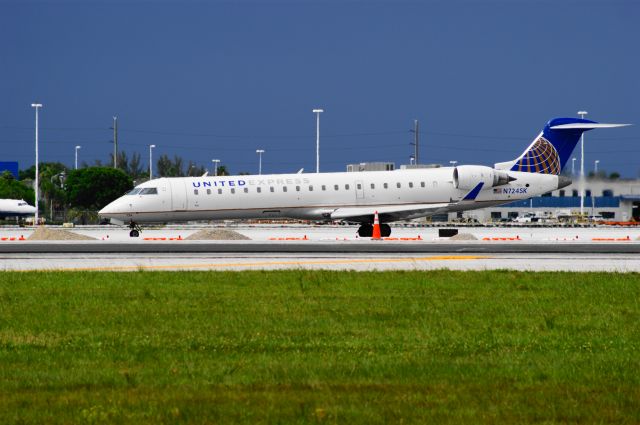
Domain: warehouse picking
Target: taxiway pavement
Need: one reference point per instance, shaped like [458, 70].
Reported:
[328, 247]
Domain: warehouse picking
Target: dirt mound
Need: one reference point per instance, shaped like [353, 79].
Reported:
[44, 234]
[217, 235]
[463, 237]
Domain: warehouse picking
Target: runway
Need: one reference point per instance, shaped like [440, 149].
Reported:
[329, 247]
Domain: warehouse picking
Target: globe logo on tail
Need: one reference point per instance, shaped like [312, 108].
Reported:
[541, 158]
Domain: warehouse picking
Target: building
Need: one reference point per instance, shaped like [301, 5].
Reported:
[615, 200]
[371, 166]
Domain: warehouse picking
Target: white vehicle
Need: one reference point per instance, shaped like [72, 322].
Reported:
[526, 218]
[15, 208]
[395, 195]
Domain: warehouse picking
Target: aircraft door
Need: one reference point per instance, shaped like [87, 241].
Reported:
[178, 194]
[359, 190]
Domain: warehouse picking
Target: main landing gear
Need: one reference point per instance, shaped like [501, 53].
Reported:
[135, 229]
[366, 230]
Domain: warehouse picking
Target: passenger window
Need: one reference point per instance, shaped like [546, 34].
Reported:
[219, 191]
[208, 191]
[346, 187]
[422, 184]
[310, 188]
[271, 189]
[398, 185]
[373, 186]
[324, 187]
[195, 191]
[284, 188]
[297, 188]
[410, 184]
[359, 186]
[233, 190]
[335, 187]
[246, 190]
[258, 189]
[386, 186]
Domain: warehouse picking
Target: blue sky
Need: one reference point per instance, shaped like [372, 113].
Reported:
[220, 79]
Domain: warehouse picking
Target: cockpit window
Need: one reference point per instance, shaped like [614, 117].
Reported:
[149, 191]
[135, 191]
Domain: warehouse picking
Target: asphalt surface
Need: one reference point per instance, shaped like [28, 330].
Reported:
[334, 247]
[327, 247]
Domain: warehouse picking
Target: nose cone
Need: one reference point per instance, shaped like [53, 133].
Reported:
[110, 210]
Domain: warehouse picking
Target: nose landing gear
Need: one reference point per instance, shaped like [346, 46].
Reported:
[135, 229]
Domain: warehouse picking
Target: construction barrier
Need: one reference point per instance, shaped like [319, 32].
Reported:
[290, 239]
[517, 238]
[13, 238]
[419, 238]
[611, 239]
[179, 238]
[620, 223]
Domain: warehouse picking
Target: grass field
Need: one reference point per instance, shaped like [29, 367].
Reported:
[312, 346]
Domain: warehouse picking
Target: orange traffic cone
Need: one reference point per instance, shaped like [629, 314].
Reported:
[376, 227]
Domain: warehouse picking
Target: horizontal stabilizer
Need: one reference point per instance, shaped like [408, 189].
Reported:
[586, 126]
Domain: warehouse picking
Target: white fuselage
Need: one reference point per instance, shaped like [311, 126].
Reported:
[15, 208]
[313, 196]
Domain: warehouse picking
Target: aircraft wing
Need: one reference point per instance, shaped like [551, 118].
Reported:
[389, 213]
[404, 212]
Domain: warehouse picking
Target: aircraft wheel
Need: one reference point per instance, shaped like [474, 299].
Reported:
[385, 230]
[365, 231]
[134, 233]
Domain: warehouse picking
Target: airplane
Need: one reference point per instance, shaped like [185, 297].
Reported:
[15, 208]
[357, 196]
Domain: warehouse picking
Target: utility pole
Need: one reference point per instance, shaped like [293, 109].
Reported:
[582, 183]
[318, 112]
[115, 142]
[415, 141]
[37, 106]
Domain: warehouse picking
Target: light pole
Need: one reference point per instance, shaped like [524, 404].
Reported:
[37, 106]
[453, 163]
[573, 166]
[77, 147]
[215, 167]
[595, 168]
[318, 112]
[151, 161]
[582, 114]
[259, 152]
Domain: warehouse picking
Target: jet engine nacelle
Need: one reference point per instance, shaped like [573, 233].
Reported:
[467, 177]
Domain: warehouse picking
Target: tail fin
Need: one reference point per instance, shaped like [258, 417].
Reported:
[551, 150]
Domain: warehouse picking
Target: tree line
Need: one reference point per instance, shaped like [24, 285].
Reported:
[90, 187]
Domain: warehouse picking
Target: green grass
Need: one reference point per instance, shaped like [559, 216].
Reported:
[319, 346]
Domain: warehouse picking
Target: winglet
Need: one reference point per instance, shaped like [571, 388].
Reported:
[473, 194]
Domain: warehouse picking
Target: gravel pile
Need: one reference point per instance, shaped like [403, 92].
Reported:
[463, 237]
[217, 235]
[44, 234]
